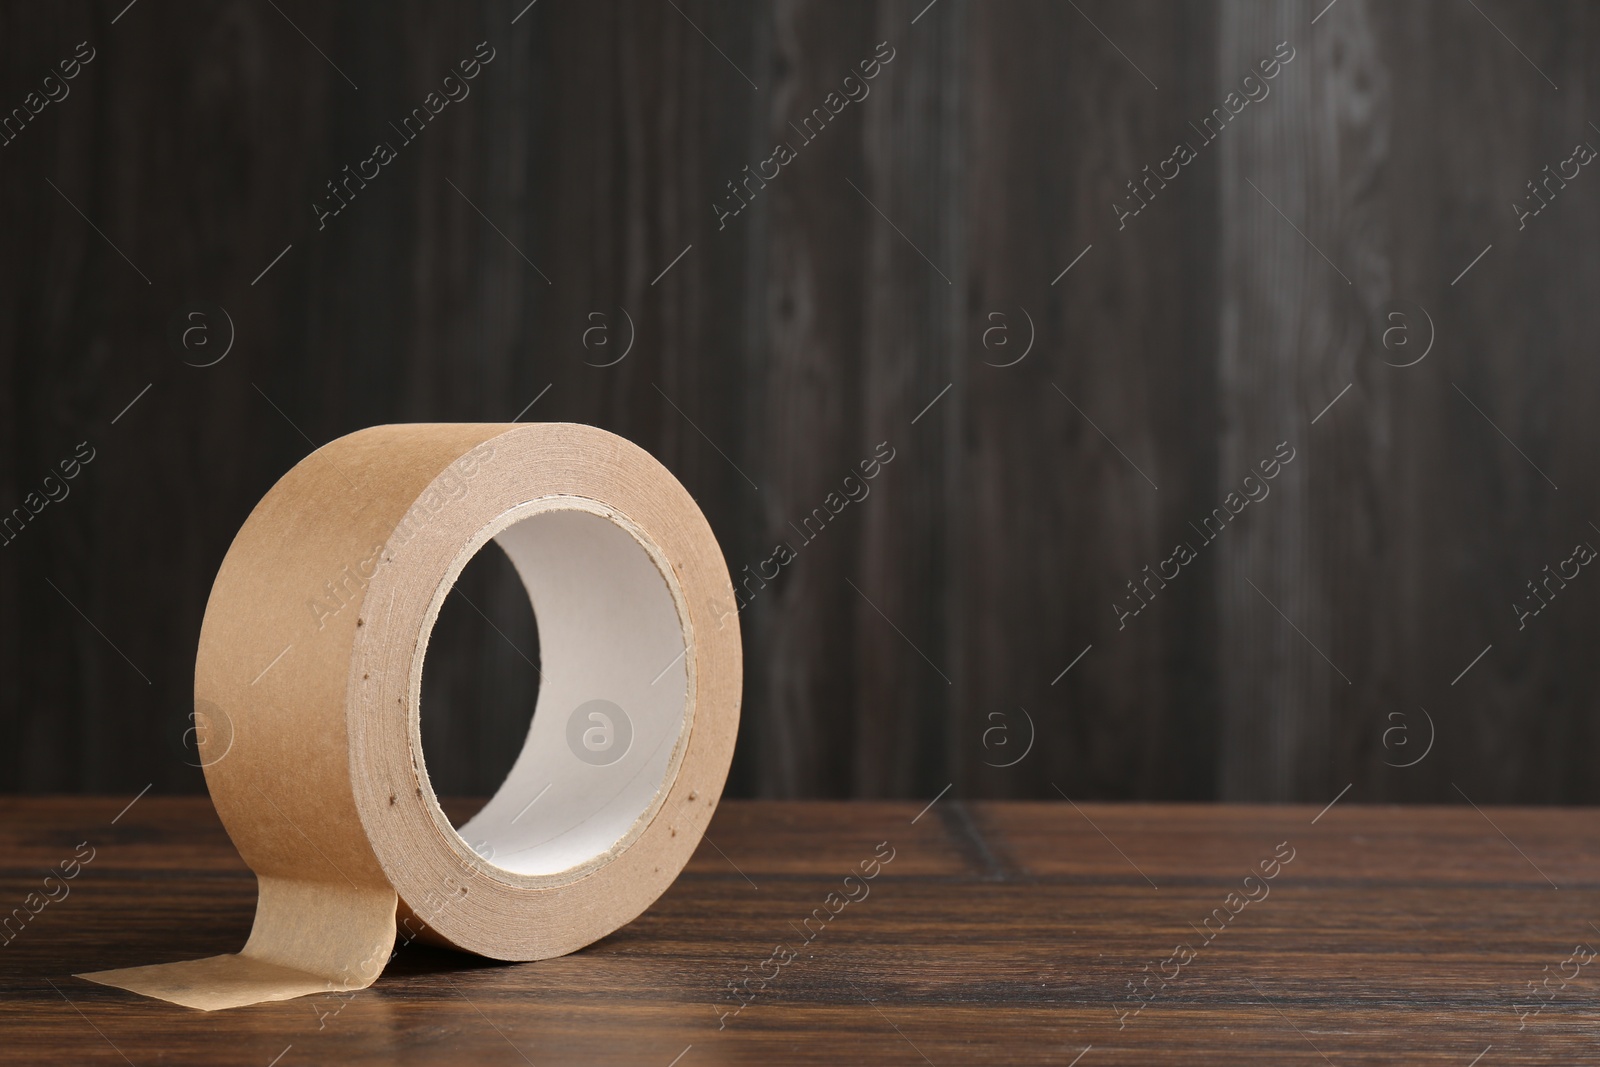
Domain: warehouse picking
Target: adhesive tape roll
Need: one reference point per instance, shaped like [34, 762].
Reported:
[308, 684]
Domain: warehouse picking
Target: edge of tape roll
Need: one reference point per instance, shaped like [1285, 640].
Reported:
[308, 689]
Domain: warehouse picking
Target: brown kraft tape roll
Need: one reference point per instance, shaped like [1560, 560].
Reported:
[308, 681]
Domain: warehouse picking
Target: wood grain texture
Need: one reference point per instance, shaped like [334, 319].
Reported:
[531, 234]
[1525, 374]
[813, 308]
[1083, 450]
[1285, 300]
[998, 933]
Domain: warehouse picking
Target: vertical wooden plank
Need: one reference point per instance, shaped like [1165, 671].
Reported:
[188, 169]
[1369, 461]
[1375, 466]
[800, 642]
[1408, 505]
[1065, 450]
[47, 324]
[1515, 331]
[1295, 270]
[908, 616]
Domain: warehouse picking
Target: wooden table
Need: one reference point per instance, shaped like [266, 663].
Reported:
[997, 933]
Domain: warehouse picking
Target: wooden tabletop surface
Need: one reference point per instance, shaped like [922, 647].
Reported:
[1019, 933]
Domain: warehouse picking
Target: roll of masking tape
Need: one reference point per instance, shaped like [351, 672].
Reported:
[308, 683]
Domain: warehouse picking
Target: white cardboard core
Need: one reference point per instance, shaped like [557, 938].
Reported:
[612, 694]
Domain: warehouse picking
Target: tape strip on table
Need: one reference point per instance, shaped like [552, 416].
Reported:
[308, 684]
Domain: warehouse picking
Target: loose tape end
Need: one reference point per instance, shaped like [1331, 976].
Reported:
[217, 982]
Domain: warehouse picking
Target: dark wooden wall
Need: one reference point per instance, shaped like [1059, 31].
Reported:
[923, 637]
